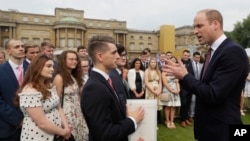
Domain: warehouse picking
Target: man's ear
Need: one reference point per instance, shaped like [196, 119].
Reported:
[99, 57]
[7, 51]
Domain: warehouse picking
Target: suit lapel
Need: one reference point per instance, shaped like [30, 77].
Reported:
[113, 94]
[215, 56]
[11, 74]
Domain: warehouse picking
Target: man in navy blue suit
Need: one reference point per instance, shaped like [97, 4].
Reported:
[218, 92]
[10, 116]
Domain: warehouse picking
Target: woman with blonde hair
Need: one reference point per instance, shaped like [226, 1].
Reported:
[40, 104]
[153, 83]
[153, 79]
[69, 81]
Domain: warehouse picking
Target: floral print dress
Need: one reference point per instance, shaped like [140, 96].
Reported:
[72, 110]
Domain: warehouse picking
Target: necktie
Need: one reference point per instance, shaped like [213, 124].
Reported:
[20, 75]
[196, 71]
[208, 57]
[110, 83]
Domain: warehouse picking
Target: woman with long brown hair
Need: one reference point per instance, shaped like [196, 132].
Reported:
[40, 103]
[69, 81]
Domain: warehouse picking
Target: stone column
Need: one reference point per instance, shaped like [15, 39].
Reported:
[58, 38]
[14, 32]
[75, 39]
[66, 37]
[82, 38]
[10, 32]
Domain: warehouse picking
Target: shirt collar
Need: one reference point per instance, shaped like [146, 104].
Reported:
[27, 60]
[119, 71]
[13, 65]
[105, 75]
[217, 43]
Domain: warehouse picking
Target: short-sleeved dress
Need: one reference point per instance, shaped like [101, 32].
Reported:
[174, 98]
[30, 131]
[72, 110]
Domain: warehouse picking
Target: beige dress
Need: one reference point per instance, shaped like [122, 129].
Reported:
[154, 82]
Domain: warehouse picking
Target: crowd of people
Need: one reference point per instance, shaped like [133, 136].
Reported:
[83, 93]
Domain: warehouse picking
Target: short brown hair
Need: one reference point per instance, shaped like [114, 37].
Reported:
[213, 14]
[43, 44]
[80, 47]
[98, 43]
[29, 45]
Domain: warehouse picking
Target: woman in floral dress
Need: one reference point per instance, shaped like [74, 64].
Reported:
[171, 86]
[68, 82]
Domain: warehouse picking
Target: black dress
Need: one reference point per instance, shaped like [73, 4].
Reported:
[138, 84]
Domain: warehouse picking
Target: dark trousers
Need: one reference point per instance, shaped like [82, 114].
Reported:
[185, 105]
[14, 137]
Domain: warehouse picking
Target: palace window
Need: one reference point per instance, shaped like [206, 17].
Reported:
[107, 25]
[99, 25]
[36, 40]
[36, 20]
[141, 46]
[25, 19]
[132, 45]
[90, 24]
[47, 21]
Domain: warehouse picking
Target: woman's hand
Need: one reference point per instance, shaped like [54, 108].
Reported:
[66, 134]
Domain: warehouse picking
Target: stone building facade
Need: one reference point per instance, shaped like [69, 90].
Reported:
[68, 28]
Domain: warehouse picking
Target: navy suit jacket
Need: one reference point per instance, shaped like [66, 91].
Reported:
[119, 87]
[218, 93]
[104, 113]
[10, 115]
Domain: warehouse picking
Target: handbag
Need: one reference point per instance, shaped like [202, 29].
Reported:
[164, 96]
[60, 138]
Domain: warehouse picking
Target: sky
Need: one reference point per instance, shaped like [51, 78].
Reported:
[139, 14]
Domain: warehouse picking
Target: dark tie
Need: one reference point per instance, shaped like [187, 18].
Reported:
[208, 57]
[196, 71]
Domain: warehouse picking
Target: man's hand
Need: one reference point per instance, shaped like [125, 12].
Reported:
[175, 69]
[137, 114]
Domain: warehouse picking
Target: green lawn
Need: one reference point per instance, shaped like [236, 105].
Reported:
[184, 134]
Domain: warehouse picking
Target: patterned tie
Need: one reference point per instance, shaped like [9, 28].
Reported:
[208, 57]
[110, 83]
[20, 74]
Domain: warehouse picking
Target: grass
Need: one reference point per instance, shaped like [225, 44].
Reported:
[184, 134]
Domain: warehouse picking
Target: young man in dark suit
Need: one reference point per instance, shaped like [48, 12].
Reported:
[104, 112]
[11, 116]
[116, 74]
[218, 92]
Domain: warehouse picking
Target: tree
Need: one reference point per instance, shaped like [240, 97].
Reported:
[241, 32]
